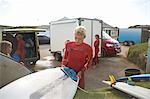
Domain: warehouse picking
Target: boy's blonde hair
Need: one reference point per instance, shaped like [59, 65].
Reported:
[4, 45]
[81, 30]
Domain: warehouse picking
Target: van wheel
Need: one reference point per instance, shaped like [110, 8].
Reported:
[125, 43]
[131, 43]
[103, 53]
[58, 57]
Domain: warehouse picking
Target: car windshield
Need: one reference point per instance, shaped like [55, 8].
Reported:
[106, 36]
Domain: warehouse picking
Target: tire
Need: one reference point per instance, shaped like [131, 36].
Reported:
[58, 57]
[103, 53]
[125, 43]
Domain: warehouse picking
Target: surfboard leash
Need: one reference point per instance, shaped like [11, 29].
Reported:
[83, 90]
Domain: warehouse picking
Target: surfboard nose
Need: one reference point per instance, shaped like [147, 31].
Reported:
[70, 73]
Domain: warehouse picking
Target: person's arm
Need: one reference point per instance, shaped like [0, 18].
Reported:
[64, 60]
[19, 45]
[89, 59]
[88, 63]
[96, 43]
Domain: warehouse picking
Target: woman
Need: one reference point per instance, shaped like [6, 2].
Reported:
[78, 55]
[96, 46]
[21, 47]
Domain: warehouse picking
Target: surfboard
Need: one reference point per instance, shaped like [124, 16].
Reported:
[45, 84]
[136, 91]
[10, 70]
[136, 77]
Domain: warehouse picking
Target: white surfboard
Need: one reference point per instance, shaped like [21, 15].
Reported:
[46, 84]
[136, 91]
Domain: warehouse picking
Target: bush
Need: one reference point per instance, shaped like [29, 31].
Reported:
[137, 54]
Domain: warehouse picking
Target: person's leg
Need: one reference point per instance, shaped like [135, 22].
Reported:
[82, 82]
[96, 56]
[97, 61]
[94, 63]
[94, 59]
[27, 52]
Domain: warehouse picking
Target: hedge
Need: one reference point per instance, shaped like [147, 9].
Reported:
[137, 54]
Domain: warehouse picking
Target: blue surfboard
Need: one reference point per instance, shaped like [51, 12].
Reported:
[70, 73]
[136, 77]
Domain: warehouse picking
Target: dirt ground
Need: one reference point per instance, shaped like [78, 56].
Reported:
[95, 75]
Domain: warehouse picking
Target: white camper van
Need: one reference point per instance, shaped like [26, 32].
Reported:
[62, 30]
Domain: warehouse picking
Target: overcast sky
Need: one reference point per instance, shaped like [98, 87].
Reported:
[120, 13]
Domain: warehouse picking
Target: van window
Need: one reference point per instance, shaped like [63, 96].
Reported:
[30, 45]
[29, 39]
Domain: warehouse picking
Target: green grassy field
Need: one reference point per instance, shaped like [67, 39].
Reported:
[144, 84]
[107, 93]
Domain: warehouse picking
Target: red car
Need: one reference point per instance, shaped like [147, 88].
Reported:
[110, 46]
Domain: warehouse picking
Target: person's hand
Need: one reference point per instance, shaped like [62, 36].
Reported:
[79, 74]
[85, 66]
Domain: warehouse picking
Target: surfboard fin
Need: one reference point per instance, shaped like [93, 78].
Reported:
[112, 79]
[130, 82]
[129, 78]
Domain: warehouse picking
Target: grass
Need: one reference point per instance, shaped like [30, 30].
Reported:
[144, 84]
[108, 93]
[103, 93]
